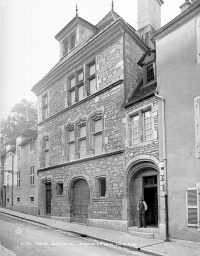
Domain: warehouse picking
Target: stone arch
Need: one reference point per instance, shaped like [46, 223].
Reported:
[79, 212]
[137, 170]
[139, 162]
[71, 182]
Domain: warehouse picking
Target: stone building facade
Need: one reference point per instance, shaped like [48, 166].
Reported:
[91, 170]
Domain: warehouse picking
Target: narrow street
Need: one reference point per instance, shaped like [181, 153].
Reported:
[25, 239]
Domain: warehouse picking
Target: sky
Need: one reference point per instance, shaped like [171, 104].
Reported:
[28, 49]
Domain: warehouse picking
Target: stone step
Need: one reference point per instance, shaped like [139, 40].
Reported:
[142, 234]
[149, 229]
[149, 232]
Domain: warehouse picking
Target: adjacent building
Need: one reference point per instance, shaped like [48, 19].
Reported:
[19, 168]
[178, 81]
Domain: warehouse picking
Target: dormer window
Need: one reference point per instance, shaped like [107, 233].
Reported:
[72, 41]
[150, 72]
[69, 43]
[148, 63]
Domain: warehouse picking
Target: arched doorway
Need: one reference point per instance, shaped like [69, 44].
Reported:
[144, 181]
[80, 201]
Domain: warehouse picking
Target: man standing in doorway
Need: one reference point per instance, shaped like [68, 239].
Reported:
[142, 207]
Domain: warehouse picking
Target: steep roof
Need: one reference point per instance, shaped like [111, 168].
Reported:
[25, 141]
[141, 92]
[27, 132]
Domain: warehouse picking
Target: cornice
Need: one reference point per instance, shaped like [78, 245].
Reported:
[80, 102]
[177, 22]
[120, 151]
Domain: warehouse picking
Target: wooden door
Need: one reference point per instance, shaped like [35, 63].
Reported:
[81, 199]
[48, 198]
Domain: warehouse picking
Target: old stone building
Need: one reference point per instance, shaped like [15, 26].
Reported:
[98, 127]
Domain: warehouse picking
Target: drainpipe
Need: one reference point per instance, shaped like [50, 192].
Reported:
[12, 178]
[165, 164]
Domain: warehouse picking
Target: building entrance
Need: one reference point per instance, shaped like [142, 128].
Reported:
[81, 200]
[151, 199]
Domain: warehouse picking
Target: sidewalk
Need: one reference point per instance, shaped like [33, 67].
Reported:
[150, 246]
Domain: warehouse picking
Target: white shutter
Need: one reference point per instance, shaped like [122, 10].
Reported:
[192, 205]
[198, 39]
[197, 125]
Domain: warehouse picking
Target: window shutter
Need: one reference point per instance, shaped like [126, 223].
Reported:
[197, 125]
[192, 204]
[198, 39]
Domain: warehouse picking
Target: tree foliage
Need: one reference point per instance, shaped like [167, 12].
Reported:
[22, 116]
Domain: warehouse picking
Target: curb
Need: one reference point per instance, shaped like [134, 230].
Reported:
[138, 249]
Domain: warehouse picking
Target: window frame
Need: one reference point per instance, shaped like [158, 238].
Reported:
[69, 128]
[80, 138]
[192, 207]
[59, 191]
[77, 84]
[90, 77]
[46, 150]
[32, 175]
[145, 68]
[94, 118]
[18, 178]
[141, 114]
[45, 105]
[99, 180]
[32, 146]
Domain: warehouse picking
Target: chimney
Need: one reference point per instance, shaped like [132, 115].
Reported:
[149, 19]
[185, 6]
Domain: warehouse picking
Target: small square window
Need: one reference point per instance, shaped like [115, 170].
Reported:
[102, 186]
[59, 189]
[18, 199]
[32, 199]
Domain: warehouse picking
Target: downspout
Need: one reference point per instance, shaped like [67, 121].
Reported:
[165, 165]
[124, 63]
[12, 178]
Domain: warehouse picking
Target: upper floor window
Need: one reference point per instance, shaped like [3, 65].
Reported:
[73, 41]
[141, 124]
[72, 92]
[18, 178]
[75, 87]
[150, 72]
[97, 133]
[91, 78]
[45, 152]
[69, 43]
[7, 181]
[32, 145]
[79, 85]
[70, 141]
[32, 175]
[82, 140]
[44, 106]
[197, 125]
[135, 129]
[8, 157]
